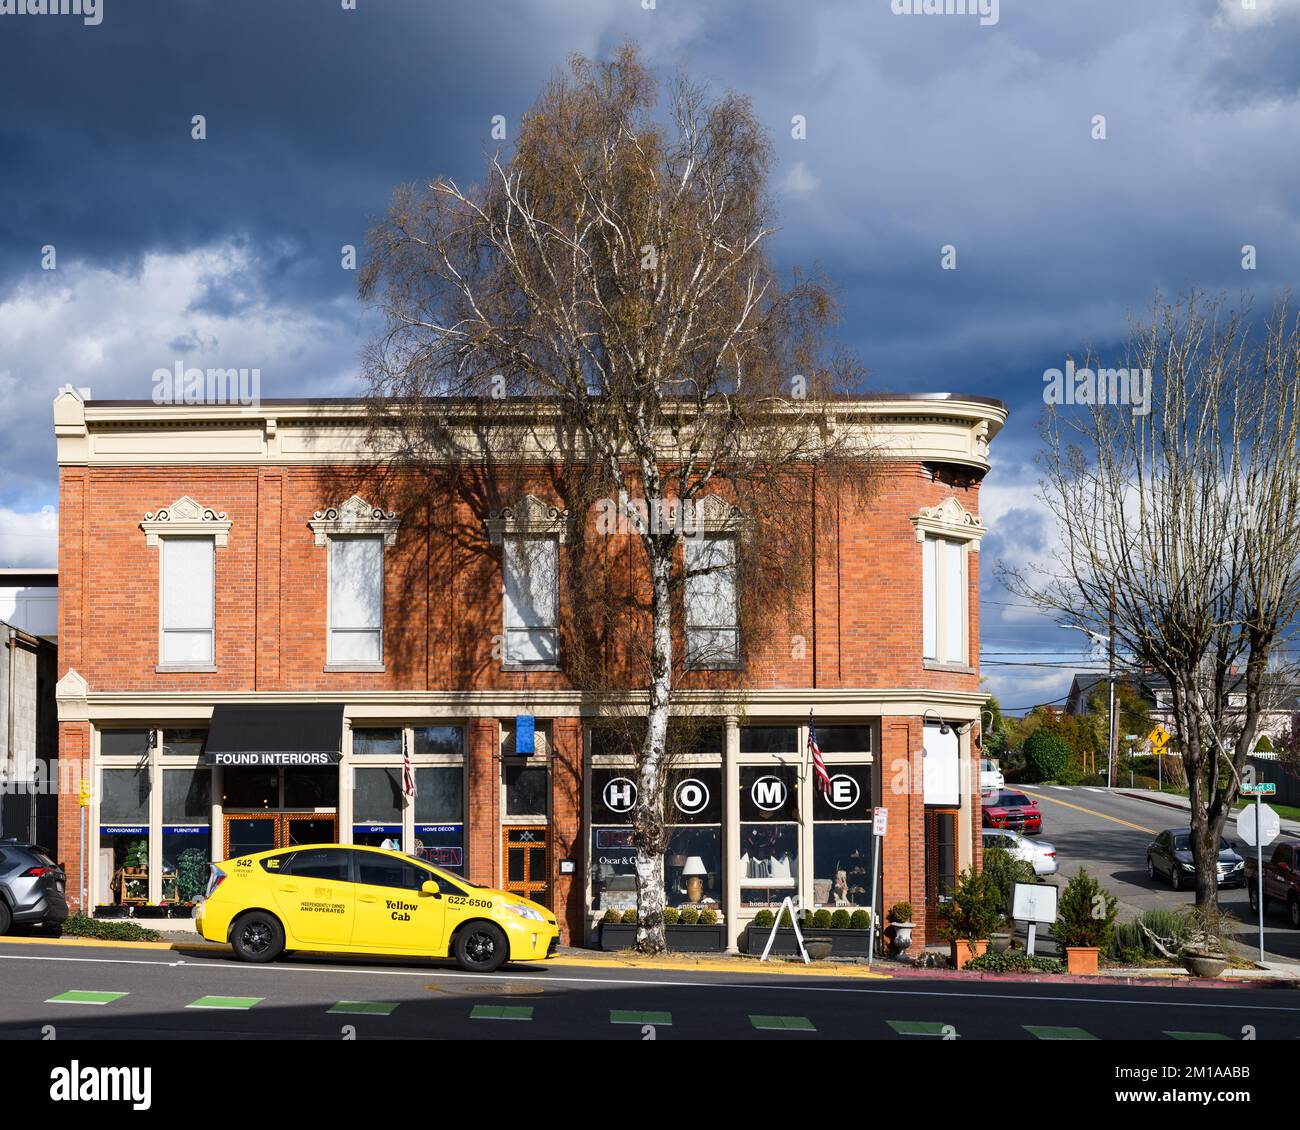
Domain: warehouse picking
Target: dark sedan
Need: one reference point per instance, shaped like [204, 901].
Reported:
[1170, 855]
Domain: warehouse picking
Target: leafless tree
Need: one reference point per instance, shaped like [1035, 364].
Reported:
[1180, 531]
[603, 308]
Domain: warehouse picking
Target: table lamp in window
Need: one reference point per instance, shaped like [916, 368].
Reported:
[694, 873]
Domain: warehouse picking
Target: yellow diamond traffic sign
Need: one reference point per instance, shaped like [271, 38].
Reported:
[1159, 738]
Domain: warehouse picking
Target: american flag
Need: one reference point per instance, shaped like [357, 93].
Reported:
[408, 774]
[819, 766]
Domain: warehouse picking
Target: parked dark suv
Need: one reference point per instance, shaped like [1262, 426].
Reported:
[31, 887]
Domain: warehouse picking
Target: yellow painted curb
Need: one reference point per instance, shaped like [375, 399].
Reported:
[784, 969]
[209, 947]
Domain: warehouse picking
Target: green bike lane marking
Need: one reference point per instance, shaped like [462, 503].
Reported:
[240, 1004]
[622, 1016]
[85, 996]
[1050, 1032]
[1196, 1035]
[501, 1012]
[782, 1023]
[364, 1008]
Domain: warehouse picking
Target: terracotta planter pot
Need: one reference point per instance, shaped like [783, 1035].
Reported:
[964, 950]
[1081, 959]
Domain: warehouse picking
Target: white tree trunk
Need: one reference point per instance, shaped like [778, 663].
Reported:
[648, 820]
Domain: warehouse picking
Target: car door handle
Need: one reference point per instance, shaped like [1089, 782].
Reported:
[367, 898]
[290, 888]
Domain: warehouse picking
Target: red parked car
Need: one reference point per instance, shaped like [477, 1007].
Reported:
[1005, 808]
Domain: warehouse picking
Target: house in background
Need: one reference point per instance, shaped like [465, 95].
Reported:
[29, 601]
[29, 736]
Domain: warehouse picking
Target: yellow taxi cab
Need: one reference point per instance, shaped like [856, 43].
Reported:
[342, 898]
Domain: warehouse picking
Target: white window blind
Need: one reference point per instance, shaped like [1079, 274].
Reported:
[356, 599]
[712, 630]
[943, 583]
[531, 568]
[187, 600]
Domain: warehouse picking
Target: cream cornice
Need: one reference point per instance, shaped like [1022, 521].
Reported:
[530, 515]
[863, 702]
[134, 434]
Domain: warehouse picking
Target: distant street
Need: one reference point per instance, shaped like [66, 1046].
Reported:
[1108, 833]
[73, 992]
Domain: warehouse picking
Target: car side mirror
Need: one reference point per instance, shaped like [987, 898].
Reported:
[429, 887]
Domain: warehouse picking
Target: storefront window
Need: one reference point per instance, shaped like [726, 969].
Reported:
[186, 833]
[309, 787]
[377, 743]
[842, 838]
[184, 743]
[377, 806]
[124, 743]
[613, 858]
[440, 815]
[250, 788]
[693, 861]
[440, 739]
[769, 739]
[769, 833]
[124, 832]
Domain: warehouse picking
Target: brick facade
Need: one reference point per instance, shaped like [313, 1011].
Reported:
[442, 608]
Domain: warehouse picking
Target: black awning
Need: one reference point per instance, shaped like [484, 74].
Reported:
[275, 735]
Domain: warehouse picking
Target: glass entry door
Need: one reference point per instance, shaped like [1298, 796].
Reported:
[527, 851]
[246, 833]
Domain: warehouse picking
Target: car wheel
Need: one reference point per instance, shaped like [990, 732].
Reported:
[257, 936]
[1174, 880]
[6, 919]
[1293, 910]
[1151, 869]
[481, 947]
[1253, 896]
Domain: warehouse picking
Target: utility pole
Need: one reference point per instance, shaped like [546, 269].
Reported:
[1111, 729]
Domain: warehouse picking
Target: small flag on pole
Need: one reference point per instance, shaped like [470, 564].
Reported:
[408, 774]
[819, 766]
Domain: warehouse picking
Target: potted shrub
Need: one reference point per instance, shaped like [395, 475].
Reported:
[968, 918]
[1006, 871]
[901, 925]
[687, 929]
[1203, 953]
[616, 931]
[1085, 920]
[846, 930]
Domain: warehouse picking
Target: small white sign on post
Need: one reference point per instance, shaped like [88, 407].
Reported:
[880, 821]
[1034, 903]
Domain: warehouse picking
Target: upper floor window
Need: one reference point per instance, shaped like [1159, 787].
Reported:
[356, 534]
[356, 601]
[530, 534]
[187, 536]
[530, 567]
[188, 592]
[947, 533]
[712, 609]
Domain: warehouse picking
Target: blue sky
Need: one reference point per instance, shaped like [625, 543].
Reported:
[922, 131]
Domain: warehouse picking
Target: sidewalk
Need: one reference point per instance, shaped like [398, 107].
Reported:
[1182, 804]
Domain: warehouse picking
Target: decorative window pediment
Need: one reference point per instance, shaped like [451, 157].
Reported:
[712, 515]
[185, 517]
[356, 516]
[529, 516]
[950, 519]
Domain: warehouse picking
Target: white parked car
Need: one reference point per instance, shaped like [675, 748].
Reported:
[990, 775]
[1042, 856]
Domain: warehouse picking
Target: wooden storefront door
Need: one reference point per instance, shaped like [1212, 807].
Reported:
[526, 849]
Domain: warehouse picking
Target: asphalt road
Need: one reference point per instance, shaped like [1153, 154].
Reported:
[1108, 833]
[46, 991]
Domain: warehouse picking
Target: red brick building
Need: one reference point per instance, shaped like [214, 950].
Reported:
[214, 559]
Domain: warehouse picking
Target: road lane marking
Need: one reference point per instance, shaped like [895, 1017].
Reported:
[919, 1027]
[1090, 812]
[364, 1008]
[228, 1004]
[782, 1023]
[1051, 1032]
[85, 996]
[501, 1012]
[973, 993]
[1197, 1035]
[622, 1016]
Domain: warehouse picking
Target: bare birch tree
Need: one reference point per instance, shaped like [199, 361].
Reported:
[604, 304]
[1180, 530]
